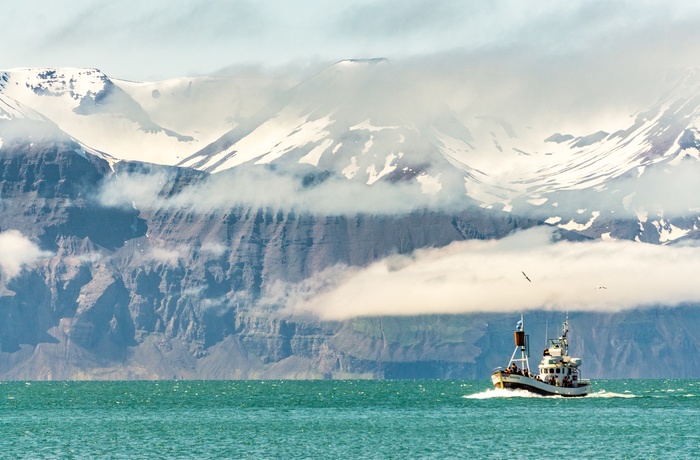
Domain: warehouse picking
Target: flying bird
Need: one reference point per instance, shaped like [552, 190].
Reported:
[526, 277]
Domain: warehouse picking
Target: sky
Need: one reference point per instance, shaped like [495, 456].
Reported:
[158, 39]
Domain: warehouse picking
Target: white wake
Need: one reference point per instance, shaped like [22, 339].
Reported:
[610, 394]
[502, 393]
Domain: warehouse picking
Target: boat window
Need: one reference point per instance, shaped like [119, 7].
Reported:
[569, 371]
[551, 370]
[557, 370]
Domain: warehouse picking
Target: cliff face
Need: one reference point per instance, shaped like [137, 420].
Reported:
[171, 292]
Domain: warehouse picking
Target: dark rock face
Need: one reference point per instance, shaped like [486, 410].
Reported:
[176, 293]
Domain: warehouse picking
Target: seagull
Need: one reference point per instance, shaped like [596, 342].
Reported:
[526, 277]
[602, 287]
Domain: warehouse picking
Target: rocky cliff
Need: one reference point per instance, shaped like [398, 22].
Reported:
[129, 292]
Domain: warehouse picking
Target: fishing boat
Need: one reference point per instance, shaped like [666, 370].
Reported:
[558, 373]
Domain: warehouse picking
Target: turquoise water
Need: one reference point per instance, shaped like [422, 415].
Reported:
[346, 419]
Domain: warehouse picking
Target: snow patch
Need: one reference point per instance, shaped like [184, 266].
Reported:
[264, 142]
[350, 170]
[537, 201]
[668, 232]
[368, 145]
[388, 167]
[573, 225]
[314, 156]
[553, 220]
[428, 184]
[367, 126]
[305, 134]
[691, 152]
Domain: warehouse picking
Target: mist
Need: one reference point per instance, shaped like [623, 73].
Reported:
[489, 276]
[159, 40]
[260, 187]
[16, 252]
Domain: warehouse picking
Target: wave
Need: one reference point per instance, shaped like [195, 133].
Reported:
[610, 394]
[501, 393]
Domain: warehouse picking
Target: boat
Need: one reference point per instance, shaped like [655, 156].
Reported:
[558, 373]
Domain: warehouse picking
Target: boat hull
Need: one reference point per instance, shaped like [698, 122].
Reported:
[510, 381]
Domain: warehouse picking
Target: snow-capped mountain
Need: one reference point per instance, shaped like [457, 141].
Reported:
[350, 120]
[364, 122]
[85, 104]
[356, 120]
[151, 122]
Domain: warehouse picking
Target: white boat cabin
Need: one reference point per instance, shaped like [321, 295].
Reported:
[557, 367]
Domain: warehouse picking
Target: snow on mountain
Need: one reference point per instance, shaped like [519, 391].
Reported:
[365, 122]
[88, 106]
[346, 120]
[11, 109]
[19, 123]
[359, 120]
[203, 108]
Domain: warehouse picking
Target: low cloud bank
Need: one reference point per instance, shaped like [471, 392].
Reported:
[259, 187]
[487, 276]
[17, 251]
[667, 191]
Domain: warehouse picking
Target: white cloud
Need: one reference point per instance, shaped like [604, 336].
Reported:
[167, 39]
[17, 251]
[485, 276]
[216, 249]
[259, 187]
[160, 254]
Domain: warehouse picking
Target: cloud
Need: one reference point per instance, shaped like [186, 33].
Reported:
[193, 291]
[216, 249]
[164, 255]
[666, 190]
[486, 276]
[260, 187]
[169, 38]
[17, 251]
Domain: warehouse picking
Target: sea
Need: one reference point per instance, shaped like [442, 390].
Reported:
[353, 419]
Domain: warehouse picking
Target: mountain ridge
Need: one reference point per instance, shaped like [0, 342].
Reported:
[141, 269]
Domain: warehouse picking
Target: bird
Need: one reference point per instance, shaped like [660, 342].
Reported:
[526, 277]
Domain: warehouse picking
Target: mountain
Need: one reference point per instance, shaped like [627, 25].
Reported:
[357, 120]
[117, 116]
[154, 230]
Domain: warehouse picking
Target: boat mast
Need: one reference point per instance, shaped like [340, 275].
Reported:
[564, 341]
[521, 343]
